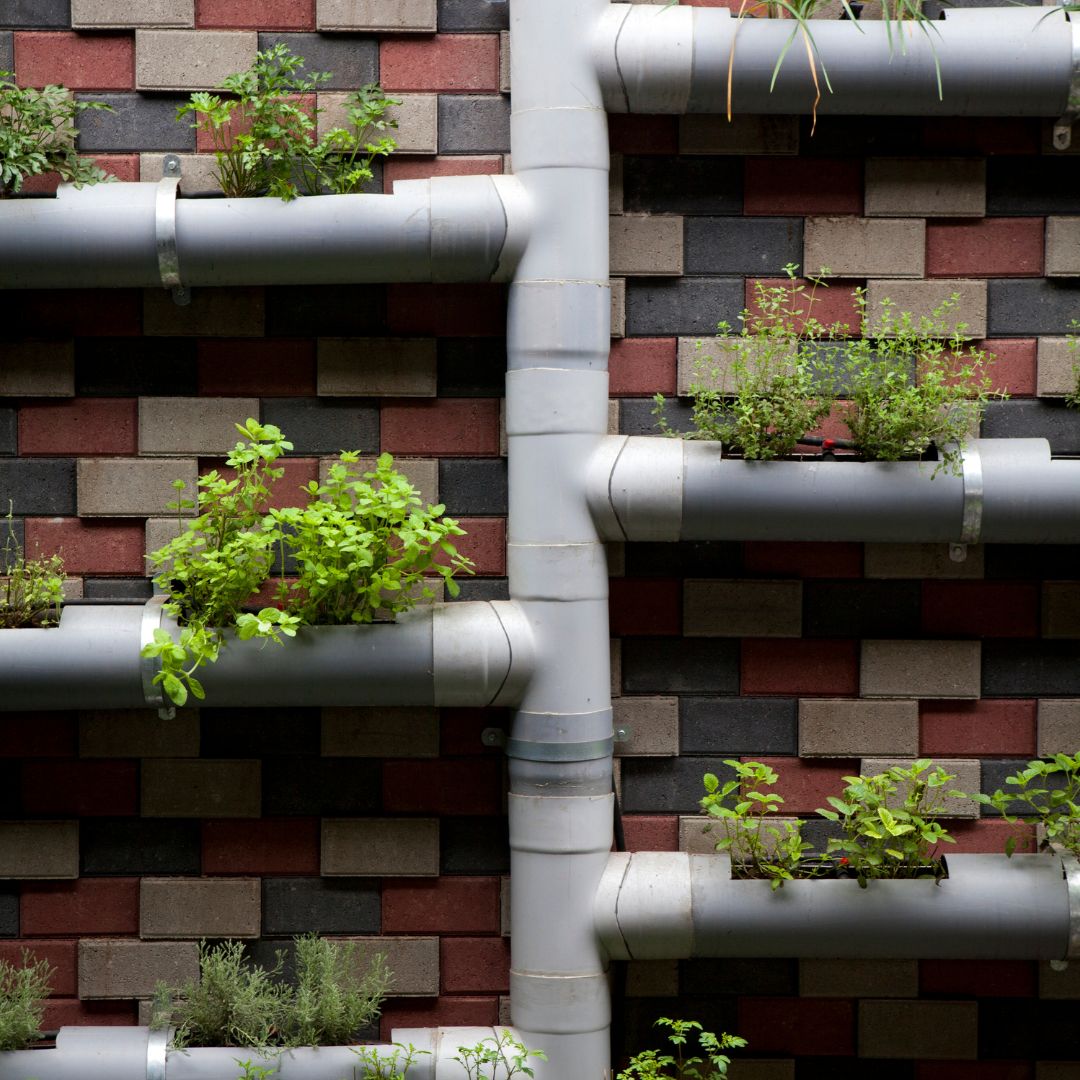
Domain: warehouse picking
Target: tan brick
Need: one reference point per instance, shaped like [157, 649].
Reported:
[205, 427]
[174, 787]
[921, 298]
[716, 608]
[376, 367]
[401, 16]
[925, 187]
[613, 417]
[413, 961]
[369, 847]
[859, 978]
[865, 247]
[138, 733]
[1062, 247]
[968, 777]
[39, 850]
[504, 904]
[1058, 1070]
[131, 969]
[944, 1030]
[417, 117]
[692, 835]
[653, 723]
[705, 362]
[130, 487]
[504, 61]
[1059, 985]
[1061, 609]
[652, 978]
[198, 172]
[199, 908]
[618, 307]
[920, 669]
[763, 1069]
[159, 531]
[232, 312]
[838, 727]
[616, 667]
[1058, 726]
[1055, 364]
[120, 14]
[708, 134]
[615, 185]
[37, 369]
[191, 59]
[920, 561]
[423, 473]
[649, 245]
[378, 732]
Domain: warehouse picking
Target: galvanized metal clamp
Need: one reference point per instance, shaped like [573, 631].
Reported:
[157, 1052]
[1063, 125]
[149, 666]
[971, 519]
[165, 230]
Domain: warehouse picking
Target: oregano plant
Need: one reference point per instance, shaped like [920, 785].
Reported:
[710, 1063]
[500, 1057]
[31, 589]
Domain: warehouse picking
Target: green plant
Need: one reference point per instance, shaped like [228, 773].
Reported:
[742, 807]
[31, 590]
[251, 1071]
[265, 134]
[498, 1058]
[1072, 343]
[657, 1065]
[393, 1065]
[890, 822]
[37, 135]
[23, 990]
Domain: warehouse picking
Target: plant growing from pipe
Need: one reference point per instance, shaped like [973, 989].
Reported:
[31, 590]
[711, 1064]
[23, 990]
[499, 1057]
[392, 1065]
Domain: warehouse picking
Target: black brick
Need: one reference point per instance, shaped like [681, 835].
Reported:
[12, 536]
[752, 245]
[473, 485]
[313, 787]
[474, 845]
[672, 665]
[1041, 184]
[668, 785]
[9, 433]
[636, 416]
[879, 609]
[325, 426]
[995, 771]
[1016, 1028]
[482, 589]
[731, 726]
[458, 15]
[7, 50]
[1049, 562]
[814, 1068]
[638, 1019]
[130, 846]
[1034, 419]
[739, 976]
[137, 122]
[38, 485]
[325, 311]
[472, 367]
[35, 13]
[1030, 668]
[817, 832]
[474, 124]
[320, 905]
[691, 558]
[244, 733]
[1031, 305]
[118, 588]
[9, 910]
[852, 136]
[682, 305]
[10, 785]
[351, 60]
[135, 367]
[933, 9]
[683, 185]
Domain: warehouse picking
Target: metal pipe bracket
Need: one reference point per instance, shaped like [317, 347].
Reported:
[165, 230]
[1062, 136]
[972, 512]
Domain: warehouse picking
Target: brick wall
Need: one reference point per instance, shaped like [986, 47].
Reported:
[126, 839]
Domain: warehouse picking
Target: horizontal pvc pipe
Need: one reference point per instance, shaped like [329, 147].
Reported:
[444, 229]
[1008, 61]
[670, 905]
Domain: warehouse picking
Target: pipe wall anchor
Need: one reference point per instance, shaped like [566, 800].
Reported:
[165, 230]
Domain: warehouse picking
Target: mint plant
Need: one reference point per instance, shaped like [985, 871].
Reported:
[23, 990]
[37, 135]
[498, 1058]
[393, 1065]
[711, 1064]
[31, 590]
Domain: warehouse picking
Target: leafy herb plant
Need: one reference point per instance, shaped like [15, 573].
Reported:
[23, 990]
[31, 590]
[393, 1065]
[37, 135]
[711, 1064]
[497, 1058]
[265, 136]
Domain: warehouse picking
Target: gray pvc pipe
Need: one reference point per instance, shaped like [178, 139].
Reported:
[444, 229]
[667, 905]
[994, 62]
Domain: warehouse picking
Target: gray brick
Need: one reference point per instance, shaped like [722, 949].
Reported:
[683, 185]
[866, 247]
[682, 306]
[458, 15]
[38, 485]
[483, 589]
[736, 245]
[137, 122]
[474, 845]
[122, 487]
[130, 969]
[918, 1029]
[375, 732]
[376, 367]
[861, 609]
[730, 726]
[39, 850]
[1021, 306]
[925, 187]
[739, 976]
[1034, 185]
[239, 733]
[671, 665]
[7, 51]
[859, 978]
[919, 669]
[652, 724]
[326, 310]
[351, 60]
[741, 608]
[314, 787]
[471, 367]
[135, 367]
[199, 788]
[326, 426]
[667, 785]
[135, 846]
[9, 441]
[646, 245]
[832, 727]
[1027, 668]
[636, 416]
[9, 911]
[13, 531]
[920, 561]
[37, 369]
[324, 906]
[473, 486]
[36, 13]
[108, 14]
[374, 847]
[1033, 419]
[199, 908]
[474, 124]
[117, 589]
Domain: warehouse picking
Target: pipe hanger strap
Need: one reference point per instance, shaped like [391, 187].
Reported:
[1063, 126]
[1071, 867]
[971, 522]
[149, 666]
[157, 1052]
[165, 231]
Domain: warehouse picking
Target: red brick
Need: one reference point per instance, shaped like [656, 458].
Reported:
[450, 427]
[641, 367]
[808, 1027]
[978, 978]
[446, 310]
[1015, 364]
[651, 832]
[485, 544]
[70, 1012]
[448, 905]
[834, 303]
[80, 788]
[460, 1011]
[470, 786]
[831, 427]
[122, 166]
[286, 491]
[973, 1070]
[803, 185]
[38, 735]
[59, 954]
[268, 846]
[974, 136]
[89, 547]
[645, 606]
[240, 124]
[72, 312]
[980, 609]
[255, 14]
[989, 247]
[266, 594]
[80, 427]
[984, 728]
[643, 134]
[987, 836]
[808, 560]
[805, 785]
[86, 906]
[454, 62]
[247, 368]
[421, 168]
[470, 965]
[77, 61]
[804, 668]
[460, 731]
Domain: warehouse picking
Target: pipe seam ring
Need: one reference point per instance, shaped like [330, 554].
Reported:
[971, 521]
[591, 750]
[157, 1053]
[165, 232]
